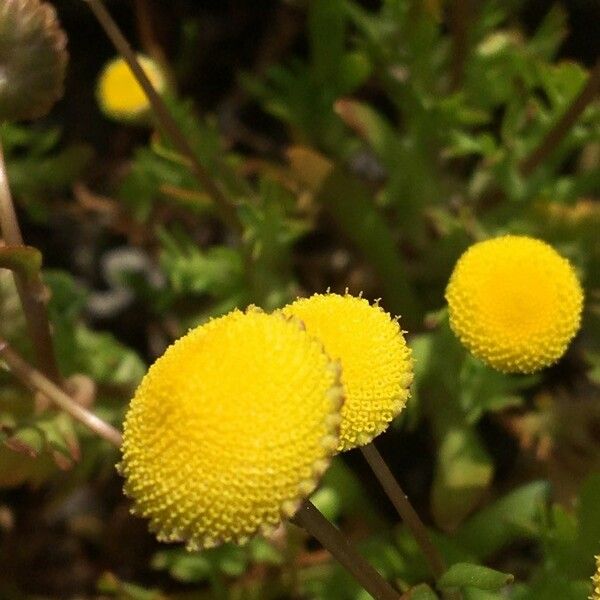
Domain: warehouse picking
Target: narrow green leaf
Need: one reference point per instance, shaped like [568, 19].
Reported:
[326, 24]
[463, 473]
[504, 521]
[468, 575]
[351, 204]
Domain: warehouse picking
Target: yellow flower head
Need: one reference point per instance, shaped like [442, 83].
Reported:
[119, 94]
[231, 429]
[596, 581]
[377, 366]
[515, 303]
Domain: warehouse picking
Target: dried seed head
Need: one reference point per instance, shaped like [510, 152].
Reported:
[33, 59]
[231, 429]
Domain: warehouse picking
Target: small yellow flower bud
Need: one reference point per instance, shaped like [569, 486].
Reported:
[231, 429]
[377, 367]
[515, 303]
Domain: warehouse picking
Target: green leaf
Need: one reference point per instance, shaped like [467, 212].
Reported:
[550, 33]
[422, 592]
[350, 203]
[463, 473]
[463, 575]
[588, 515]
[327, 500]
[326, 26]
[354, 70]
[184, 566]
[510, 518]
[261, 551]
[110, 584]
[371, 127]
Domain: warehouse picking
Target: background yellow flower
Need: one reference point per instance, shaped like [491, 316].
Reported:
[119, 94]
[515, 303]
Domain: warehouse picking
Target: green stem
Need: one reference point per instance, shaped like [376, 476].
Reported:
[310, 519]
[553, 138]
[405, 509]
[38, 382]
[31, 291]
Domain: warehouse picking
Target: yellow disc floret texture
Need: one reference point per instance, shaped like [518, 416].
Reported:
[120, 95]
[515, 303]
[596, 581]
[231, 429]
[377, 367]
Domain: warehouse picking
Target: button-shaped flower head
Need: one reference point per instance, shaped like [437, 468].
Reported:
[515, 303]
[596, 581]
[231, 429]
[119, 94]
[377, 367]
[33, 59]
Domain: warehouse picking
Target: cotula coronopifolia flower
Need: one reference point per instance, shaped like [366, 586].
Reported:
[515, 303]
[231, 429]
[596, 581]
[377, 366]
[33, 59]
[119, 94]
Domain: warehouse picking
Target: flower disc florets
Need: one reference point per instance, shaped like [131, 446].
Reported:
[33, 59]
[377, 367]
[596, 581]
[515, 303]
[120, 96]
[231, 429]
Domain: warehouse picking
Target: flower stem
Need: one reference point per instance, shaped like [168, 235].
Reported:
[405, 509]
[38, 382]
[224, 206]
[310, 518]
[588, 94]
[31, 291]
[460, 18]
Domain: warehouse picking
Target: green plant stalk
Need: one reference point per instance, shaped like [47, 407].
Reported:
[405, 509]
[308, 517]
[588, 94]
[38, 382]
[223, 204]
[31, 290]
[460, 17]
